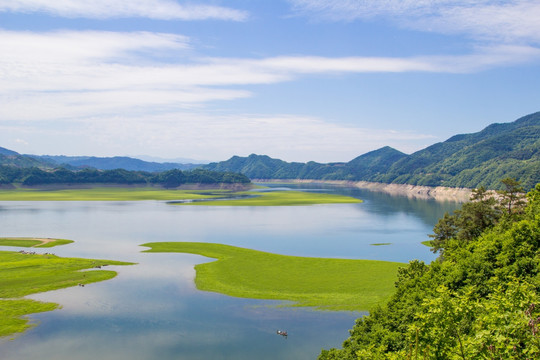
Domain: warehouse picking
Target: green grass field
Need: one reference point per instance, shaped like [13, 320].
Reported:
[271, 198]
[107, 194]
[278, 198]
[33, 242]
[25, 274]
[327, 284]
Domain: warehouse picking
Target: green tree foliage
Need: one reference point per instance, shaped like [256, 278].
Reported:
[467, 223]
[512, 196]
[170, 179]
[479, 300]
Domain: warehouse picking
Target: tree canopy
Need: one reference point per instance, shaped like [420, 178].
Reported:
[478, 300]
[169, 179]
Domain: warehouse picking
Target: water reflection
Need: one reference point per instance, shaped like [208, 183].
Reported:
[152, 310]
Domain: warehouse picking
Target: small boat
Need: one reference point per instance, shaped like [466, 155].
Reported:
[282, 333]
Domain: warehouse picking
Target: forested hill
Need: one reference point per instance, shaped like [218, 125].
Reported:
[12, 158]
[478, 300]
[31, 170]
[471, 160]
[264, 167]
[33, 176]
[468, 160]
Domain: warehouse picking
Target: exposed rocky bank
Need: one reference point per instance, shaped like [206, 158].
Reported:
[439, 193]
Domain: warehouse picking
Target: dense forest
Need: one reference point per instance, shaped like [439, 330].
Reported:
[467, 160]
[170, 179]
[479, 300]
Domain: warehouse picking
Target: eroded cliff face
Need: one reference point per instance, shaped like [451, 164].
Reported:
[425, 192]
[439, 193]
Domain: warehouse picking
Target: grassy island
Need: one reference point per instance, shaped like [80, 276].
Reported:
[276, 198]
[107, 194]
[24, 273]
[33, 242]
[327, 284]
[213, 197]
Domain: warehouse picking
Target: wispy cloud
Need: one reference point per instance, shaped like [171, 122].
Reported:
[116, 92]
[49, 76]
[205, 136]
[104, 9]
[507, 21]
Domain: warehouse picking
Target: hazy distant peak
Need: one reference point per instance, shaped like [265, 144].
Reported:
[4, 151]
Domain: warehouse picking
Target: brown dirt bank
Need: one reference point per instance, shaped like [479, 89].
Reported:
[439, 193]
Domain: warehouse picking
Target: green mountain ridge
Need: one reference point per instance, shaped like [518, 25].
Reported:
[465, 160]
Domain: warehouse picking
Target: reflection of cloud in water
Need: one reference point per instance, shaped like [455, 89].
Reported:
[135, 344]
[133, 292]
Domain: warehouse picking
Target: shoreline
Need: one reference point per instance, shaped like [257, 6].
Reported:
[439, 193]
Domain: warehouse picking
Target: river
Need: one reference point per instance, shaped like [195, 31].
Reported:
[153, 311]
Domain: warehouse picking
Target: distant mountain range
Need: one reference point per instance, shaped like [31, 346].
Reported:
[12, 158]
[111, 163]
[467, 160]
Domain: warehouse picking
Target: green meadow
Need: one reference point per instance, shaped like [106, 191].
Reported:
[107, 194]
[24, 274]
[33, 242]
[326, 284]
[277, 198]
[215, 197]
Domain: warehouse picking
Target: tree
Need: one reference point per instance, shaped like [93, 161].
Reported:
[513, 197]
[173, 178]
[467, 223]
[480, 301]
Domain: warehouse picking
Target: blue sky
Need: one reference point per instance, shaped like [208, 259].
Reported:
[298, 80]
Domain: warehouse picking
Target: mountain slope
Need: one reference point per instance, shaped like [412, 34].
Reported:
[13, 158]
[264, 167]
[466, 160]
[7, 152]
[471, 160]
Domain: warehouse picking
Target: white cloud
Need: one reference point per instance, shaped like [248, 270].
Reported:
[115, 95]
[103, 9]
[49, 76]
[500, 21]
[207, 136]
[64, 47]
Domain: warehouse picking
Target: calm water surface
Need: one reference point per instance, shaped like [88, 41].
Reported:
[153, 311]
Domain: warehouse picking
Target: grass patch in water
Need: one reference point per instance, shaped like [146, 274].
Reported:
[107, 194]
[380, 244]
[33, 242]
[25, 274]
[271, 198]
[327, 284]
[278, 198]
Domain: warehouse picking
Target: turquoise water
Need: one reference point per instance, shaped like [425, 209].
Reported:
[153, 311]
